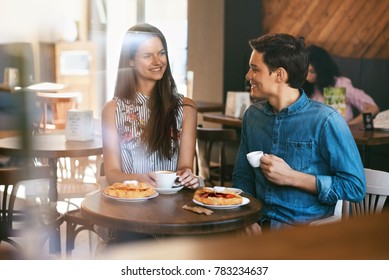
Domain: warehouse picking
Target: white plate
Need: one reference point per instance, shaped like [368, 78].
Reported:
[221, 189]
[168, 191]
[381, 127]
[131, 199]
[245, 201]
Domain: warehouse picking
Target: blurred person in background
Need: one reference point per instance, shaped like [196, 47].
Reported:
[324, 72]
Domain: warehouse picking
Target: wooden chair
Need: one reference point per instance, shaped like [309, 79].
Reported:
[377, 190]
[72, 178]
[336, 217]
[214, 173]
[75, 223]
[37, 215]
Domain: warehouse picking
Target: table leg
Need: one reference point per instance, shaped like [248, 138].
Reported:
[54, 234]
[53, 191]
[366, 156]
[44, 117]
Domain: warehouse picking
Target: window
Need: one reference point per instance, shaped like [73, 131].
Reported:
[170, 16]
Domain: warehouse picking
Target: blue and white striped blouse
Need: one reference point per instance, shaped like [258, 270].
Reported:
[130, 120]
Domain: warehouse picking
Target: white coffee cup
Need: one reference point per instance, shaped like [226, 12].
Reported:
[255, 158]
[166, 179]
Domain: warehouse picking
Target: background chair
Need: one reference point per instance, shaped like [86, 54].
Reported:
[76, 178]
[75, 223]
[377, 190]
[214, 173]
[337, 217]
[35, 220]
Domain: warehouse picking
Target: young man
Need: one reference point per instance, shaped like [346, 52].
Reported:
[310, 157]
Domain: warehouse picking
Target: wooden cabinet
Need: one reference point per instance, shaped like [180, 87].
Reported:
[74, 65]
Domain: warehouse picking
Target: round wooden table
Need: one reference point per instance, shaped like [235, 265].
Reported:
[52, 147]
[164, 215]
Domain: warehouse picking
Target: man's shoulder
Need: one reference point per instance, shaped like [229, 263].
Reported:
[254, 109]
[318, 105]
[320, 110]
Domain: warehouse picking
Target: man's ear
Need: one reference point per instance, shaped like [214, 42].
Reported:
[281, 75]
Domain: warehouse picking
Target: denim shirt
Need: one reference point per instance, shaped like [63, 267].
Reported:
[312, 138]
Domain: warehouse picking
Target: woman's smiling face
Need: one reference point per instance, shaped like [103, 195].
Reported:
[150, 60]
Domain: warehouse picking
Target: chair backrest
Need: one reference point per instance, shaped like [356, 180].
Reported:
[206, 138]
[73, 169]
[76, 178]
[377, 190]
[336, 217]
[102, 178]
[11, 180]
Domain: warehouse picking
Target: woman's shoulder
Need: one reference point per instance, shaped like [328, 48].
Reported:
[110, 103]
[186, 101]
[342, 81]
[109, 106]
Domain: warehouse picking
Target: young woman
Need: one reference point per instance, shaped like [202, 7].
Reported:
[148, 126]
[323, 72]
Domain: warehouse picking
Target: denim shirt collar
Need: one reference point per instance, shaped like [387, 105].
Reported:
[295, 107]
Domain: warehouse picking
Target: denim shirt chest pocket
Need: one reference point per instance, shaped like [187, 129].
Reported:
[299, 155]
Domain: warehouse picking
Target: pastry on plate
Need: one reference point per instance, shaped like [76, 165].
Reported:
[129, 190]
[211, 196]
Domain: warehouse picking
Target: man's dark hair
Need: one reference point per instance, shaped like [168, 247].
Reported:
[286, 51]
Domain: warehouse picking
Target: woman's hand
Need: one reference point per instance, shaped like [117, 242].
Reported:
[188, 179]
[147, 178]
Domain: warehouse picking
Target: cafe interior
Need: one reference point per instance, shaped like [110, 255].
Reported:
[58, 60]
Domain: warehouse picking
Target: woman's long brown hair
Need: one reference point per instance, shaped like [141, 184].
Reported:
[161, 128]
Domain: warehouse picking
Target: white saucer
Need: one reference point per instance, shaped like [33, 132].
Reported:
[139, 199]
[168, 191]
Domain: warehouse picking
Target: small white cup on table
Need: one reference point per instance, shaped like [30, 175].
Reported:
[166, 179]
[254, 158]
